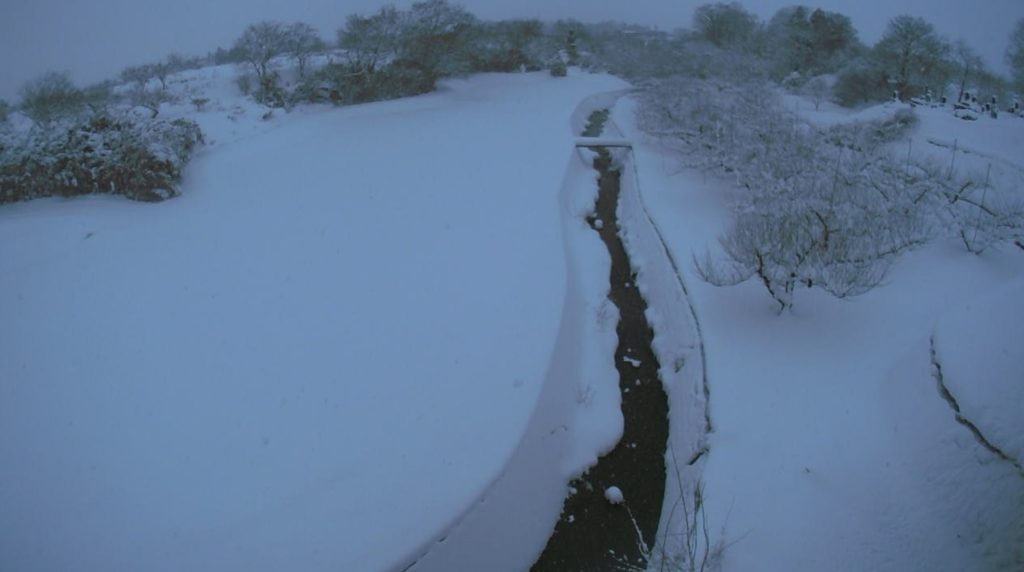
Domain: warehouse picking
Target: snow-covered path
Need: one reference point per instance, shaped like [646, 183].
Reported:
[315, 358]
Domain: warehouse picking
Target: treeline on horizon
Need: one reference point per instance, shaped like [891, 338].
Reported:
[394, 53]
[77, 144]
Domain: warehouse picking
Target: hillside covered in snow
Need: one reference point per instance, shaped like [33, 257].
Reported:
[387, 304]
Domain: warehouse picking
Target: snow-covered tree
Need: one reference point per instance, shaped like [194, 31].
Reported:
[968, 65]
[818, 90]
[913, 55]
[572, 51]
[834, 34]
[573, 36]
[138, 75]
[5, 109]
[860, 82]
[827, 209]
[303, 42]
[161, 70]
[259, 44]
[435, 39]
[980, 215]
[370, 42]
[725, 25]
[810, 42]
[50, 96]
[1015, 54]
[404, 52]
[789, 32]
[638, 53]
[507, 46]
[139, 92]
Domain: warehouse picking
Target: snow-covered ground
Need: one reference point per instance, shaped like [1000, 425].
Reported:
[322, 354]
[833, 447]
[375, 336]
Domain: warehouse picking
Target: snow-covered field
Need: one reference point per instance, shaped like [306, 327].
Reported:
[377, 336]
[833, 446]
[320, 355]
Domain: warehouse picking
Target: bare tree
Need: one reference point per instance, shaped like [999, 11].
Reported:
[138, 75]
[161, 70]
[1015, 54]
[978, 211]
[148, 99]
[508, 46]
[139, 93]
[50, 96]
[725, 25]
[968, 64]
[861, 81]
[814, 209]
[303, 42]
[371, 41]
[913, 54]
[818, 90]
[810, 42]
[435, 38]
[177, 62]
[259, 44]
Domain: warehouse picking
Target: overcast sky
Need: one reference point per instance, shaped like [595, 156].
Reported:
[94, 39]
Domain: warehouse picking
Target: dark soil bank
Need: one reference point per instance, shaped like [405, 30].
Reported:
[592, 534]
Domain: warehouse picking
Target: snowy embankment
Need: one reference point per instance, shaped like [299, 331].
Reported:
[320, 355]
[833, 447]
[679, 346]
[578, 416]
[984, 374]
[677, 339]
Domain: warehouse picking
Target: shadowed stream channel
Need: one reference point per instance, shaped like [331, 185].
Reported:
[592, 534]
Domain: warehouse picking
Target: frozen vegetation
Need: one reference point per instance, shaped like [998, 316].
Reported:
[838, 425]
[322, 351]
[367, 326]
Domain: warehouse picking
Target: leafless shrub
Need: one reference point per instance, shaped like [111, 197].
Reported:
[827, 209]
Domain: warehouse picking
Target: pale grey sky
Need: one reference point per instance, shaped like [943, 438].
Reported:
[94, 39]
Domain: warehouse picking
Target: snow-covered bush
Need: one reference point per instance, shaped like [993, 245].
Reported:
[914, 56]
[149, 99]
[1015, 54]
[244, 81]
[269, 92]
[983, 219]
[969, 207]
[818, 89]
[859, 83]
[808, 42]
[725, 24]
[820, 208]
[302, 42]
[260, 43]
[342, 84]
[508, 46]
[140, 159]
[827, 209]
[639, 54]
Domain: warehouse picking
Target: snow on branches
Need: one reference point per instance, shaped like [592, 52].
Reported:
[828, 208]
[141, 159]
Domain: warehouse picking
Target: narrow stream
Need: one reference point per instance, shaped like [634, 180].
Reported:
[593, 534]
